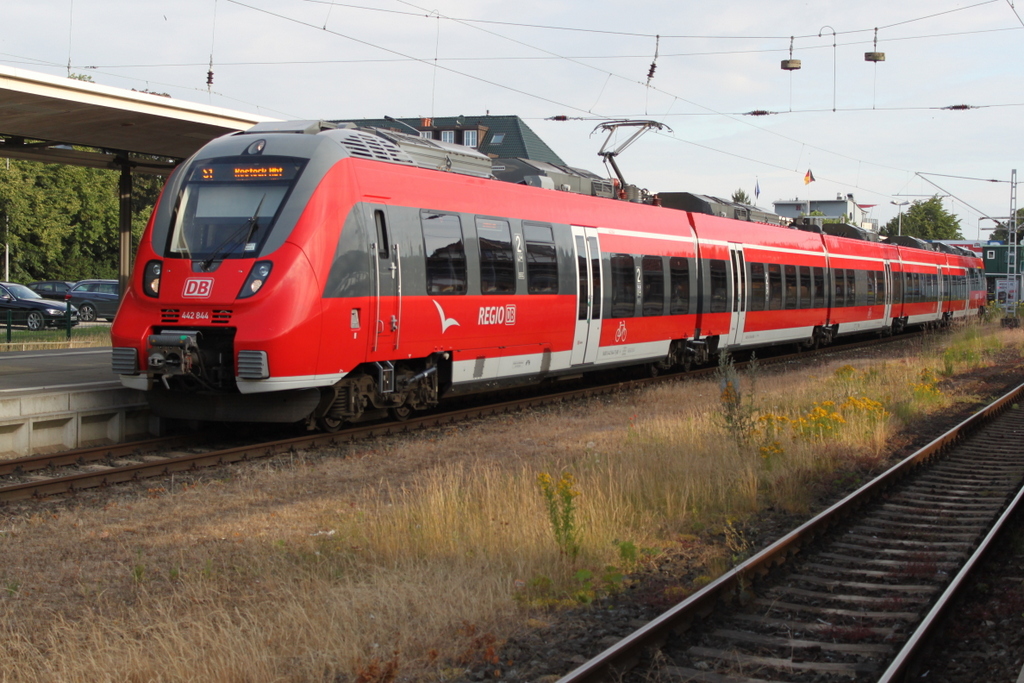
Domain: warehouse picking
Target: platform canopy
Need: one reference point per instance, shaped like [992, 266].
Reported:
[41, 116]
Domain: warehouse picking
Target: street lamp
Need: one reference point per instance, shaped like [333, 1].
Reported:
[899, 223]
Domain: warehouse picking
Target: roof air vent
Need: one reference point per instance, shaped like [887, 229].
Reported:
[366, 145]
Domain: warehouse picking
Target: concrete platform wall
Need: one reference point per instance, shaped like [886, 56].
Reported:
[60, 421]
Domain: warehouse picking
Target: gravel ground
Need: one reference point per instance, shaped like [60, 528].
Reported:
[984, 637]
[987, 643]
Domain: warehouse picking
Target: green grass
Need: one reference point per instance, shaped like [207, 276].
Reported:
[26, 340]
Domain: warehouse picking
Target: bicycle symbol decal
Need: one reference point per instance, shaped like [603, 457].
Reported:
[620, 334]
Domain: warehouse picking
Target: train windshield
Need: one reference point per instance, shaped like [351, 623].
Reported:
[227, 207]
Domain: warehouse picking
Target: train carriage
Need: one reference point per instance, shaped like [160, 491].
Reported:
[922, 286]
[773, 283]
[861, 273]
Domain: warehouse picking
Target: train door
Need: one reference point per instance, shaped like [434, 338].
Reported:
[738, 295]
[386, 292]
[590, 295]
[940, 291]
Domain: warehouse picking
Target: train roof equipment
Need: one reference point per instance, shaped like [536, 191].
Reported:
[908, 241]
[612, 127]
[552, 176]
[715, 206]
[850, 232]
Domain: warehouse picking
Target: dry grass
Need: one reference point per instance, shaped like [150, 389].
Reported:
[407, 554]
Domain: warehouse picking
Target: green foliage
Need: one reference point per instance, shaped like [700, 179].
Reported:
[1002, 233]
[926, 220]
[560, 497]
[61, 222]
[741, 197]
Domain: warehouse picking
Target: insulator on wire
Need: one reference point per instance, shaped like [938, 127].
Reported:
[209, 79]
[654, 62]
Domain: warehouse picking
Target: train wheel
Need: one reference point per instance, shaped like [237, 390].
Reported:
[401, 413]
[329, 424]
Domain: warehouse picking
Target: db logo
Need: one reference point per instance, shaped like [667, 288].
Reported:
[198, 287]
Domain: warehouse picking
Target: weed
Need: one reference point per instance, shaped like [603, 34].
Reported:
[628, 552]
[482, 647]
[737, 414]
[560, 498]
[820, 422]
[736, 542]
[376, 671]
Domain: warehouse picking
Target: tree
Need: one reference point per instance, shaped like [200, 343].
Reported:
[741, 197]
[926, 220]
[1002, 233]
[61, 222]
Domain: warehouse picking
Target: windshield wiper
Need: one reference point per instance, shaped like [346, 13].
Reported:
[250, 225]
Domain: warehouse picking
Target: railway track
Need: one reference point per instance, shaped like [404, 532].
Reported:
[856, 592]
[40, 476]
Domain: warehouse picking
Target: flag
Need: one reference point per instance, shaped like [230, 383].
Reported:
[757, 189]
[809, 178]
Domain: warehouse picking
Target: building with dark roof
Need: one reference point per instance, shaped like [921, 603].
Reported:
[499, 137]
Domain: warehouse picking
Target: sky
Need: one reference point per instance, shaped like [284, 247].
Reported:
[882, 131]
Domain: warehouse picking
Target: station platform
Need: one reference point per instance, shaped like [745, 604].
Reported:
[62, 399]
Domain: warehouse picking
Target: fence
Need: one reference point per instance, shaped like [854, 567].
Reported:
[31, 329]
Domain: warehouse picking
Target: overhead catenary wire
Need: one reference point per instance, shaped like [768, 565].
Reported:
[662, 54]
[652, 35]
[579, 109]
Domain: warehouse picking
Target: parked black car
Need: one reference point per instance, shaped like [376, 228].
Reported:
[51, 289]
[95, 299]
[29, 309]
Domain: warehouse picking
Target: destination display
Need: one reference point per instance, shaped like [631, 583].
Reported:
[246, 171]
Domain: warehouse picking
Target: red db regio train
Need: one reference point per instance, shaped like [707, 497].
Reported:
[310, 272]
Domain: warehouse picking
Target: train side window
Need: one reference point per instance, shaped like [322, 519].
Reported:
[840, 278]
[870, 288]
[819, 287]
[897, 288]
[791, 287]
[541, 259]
[719, 271]
[581, 271]
[446, 253]
[497, 265]
[851, 287]
[653, 285]
[383, 248]
[805, 286]
[595, 271]
[623, 286]
[758, 287]
[679, 284]
[774, 286]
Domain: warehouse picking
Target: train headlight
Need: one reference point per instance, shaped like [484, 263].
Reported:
[257, 278]
[151, 278]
